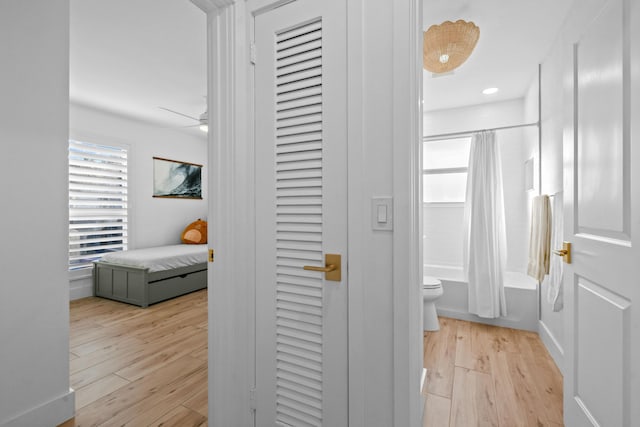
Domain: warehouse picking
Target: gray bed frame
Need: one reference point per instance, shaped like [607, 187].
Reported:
[137, 286]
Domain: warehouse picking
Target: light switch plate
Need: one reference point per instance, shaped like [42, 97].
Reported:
[381, 209]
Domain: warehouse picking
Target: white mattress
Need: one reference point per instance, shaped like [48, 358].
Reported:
[160, 258]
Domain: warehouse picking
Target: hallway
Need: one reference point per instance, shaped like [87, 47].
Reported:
[139, 366]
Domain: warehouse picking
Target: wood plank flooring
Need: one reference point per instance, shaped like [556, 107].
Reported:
[139, 367]
[148, 367]
[481, 375]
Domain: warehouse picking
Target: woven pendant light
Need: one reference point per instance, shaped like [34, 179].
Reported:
[448, 45]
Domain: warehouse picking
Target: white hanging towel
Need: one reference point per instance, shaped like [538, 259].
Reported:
[540, 237]
[554, 279]
[484, 249]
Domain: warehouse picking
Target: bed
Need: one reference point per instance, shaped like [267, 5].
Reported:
[147, 276]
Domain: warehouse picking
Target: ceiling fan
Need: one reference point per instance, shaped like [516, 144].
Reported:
[203, 120]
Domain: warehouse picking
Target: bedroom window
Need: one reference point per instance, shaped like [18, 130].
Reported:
[445, 163]
[97, 202]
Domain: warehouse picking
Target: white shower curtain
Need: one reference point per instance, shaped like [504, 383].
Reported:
[485, 244]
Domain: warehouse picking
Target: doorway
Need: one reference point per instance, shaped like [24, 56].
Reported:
[138, 77]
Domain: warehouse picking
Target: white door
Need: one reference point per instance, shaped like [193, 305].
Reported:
[602, 216]
[301, 209]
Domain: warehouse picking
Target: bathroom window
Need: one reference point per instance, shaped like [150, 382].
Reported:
[445, 163]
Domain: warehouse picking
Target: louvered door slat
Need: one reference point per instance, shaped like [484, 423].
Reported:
[302, 317]
[297, 86]
[299, 165]
[308, 384]
[304, 72]
[301, 255]
[295, 51]
[302, 373]
[303, 128]
[298, 139]
[303, 228]
[300, 183]
[300, 119]
[304, 39]
[295, 415]
[304, 110]
[292, 395]
[298, 191]
[298, 31]
[298, 95]
[297, 280]
[300, 389]
[298, 246]
[295, 103]
[300, 174]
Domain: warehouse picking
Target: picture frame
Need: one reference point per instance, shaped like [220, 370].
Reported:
[175, 179]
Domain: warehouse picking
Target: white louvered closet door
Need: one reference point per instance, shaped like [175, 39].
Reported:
[301, 205]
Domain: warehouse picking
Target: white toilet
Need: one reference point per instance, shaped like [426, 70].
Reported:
[431, 291]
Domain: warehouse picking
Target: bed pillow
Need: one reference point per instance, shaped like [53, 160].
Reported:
[195, 233]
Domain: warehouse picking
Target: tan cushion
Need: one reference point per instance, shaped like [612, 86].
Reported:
[195, 233]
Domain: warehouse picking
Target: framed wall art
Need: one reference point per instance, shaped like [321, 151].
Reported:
[177, 180]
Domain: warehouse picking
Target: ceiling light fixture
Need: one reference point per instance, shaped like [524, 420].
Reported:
[448, 45]
[490, 90]
[204, 121]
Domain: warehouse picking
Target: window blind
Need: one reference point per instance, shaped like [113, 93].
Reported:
[97, 202]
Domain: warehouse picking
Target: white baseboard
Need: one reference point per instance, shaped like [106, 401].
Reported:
[48, 414]
[501, 321]
[80, 288]
[553, 346]
[423, 391]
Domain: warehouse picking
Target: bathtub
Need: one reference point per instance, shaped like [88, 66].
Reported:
[520, 290]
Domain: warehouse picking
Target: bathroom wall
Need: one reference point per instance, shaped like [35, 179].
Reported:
[442, 222]
[551, 327]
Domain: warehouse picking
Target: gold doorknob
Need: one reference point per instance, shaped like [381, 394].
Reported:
[332, 269]
[565, 252]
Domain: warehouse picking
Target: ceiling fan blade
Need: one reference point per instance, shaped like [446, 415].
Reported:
[181, 114]
[180, 127]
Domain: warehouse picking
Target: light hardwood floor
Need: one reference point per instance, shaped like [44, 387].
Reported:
[148, 367]
[480, 375]
[139, 367]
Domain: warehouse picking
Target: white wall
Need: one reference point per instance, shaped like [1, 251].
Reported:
[34, 314]
[152, 221]
[551, 323]
[443, 224]
[377, 313]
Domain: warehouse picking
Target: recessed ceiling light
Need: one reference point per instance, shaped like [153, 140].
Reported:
[490, 90]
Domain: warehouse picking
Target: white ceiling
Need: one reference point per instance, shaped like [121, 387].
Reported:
[515, 36]
[132, 56]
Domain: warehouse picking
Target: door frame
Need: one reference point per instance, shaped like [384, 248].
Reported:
[231, 208]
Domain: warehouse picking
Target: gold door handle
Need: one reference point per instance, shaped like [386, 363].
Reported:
[332, 269]
[565, 252]
[326, 269]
